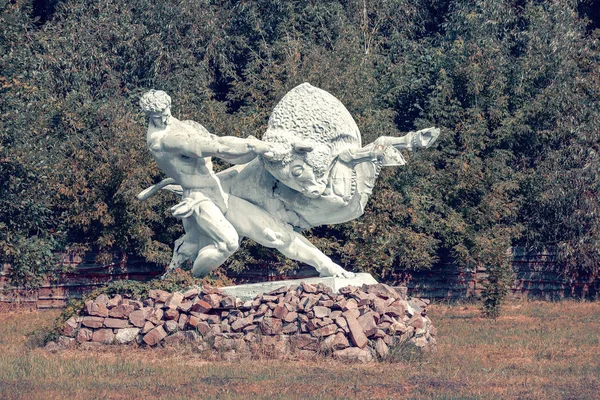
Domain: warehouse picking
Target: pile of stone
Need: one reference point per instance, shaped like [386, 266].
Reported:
[357, 324]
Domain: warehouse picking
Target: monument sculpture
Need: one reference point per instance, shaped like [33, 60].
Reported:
[309, 169]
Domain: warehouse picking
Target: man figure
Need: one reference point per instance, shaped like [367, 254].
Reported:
[212, 219]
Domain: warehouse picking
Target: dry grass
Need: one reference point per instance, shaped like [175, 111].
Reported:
[536, 350]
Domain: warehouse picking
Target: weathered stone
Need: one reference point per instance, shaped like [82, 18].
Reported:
[115, 301]
[51, 347]
[289, 329]
[340, 341]
[136, 304]
[116, 323]
[156, 316]
[65, 342]
[170, 326]
[279, 311]
[367, 322]
[203, 328]
[175, 338]
[291, 316]
[356, 333]
[174, 300]
[138, 317]
[181, 323]
[228, 302]
[348, 290]
[323, 322]
[321, 312]
[201, 306]
[105, 336]
[241, 323]
[308, 288]
[225, 327]
[213, 299]
[355, 313]
[185, 306]
[262, 310]
[127, 335]
[250, 328]
[325, 331]
[353, 354]
[70, 328]
[84, 335]
[402, 292]
[417, 322]
[271, 326]
[351, 304]
[155, 336]
[101, 299]
[121, 311]
[191, 293]
[92, 322]
[432, 330]
[171, 314]
[381, 348]
[97, 309]
[193, 321]
[159, 296]
[148, 326]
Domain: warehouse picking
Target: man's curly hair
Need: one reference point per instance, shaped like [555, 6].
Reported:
[155, 101]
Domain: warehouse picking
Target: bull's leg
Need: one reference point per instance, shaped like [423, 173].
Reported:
[255, 223]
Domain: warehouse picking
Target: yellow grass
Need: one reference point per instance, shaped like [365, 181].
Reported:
[535, 350]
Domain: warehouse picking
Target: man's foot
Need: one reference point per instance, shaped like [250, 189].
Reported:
[424, 138]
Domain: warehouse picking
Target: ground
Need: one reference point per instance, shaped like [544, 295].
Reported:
[535, 350]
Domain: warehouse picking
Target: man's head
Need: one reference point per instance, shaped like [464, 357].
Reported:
[157, 106]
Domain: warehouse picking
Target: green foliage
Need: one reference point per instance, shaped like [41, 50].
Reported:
[514, 86]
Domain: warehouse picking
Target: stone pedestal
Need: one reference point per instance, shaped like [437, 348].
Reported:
[250, 291]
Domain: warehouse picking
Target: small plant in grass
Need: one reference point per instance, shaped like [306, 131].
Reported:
[405, 352]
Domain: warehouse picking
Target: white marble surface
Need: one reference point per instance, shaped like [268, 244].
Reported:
[251, 290]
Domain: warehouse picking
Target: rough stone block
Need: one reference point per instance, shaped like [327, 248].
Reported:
[148, 326]
[174, 300]
[325, 331]
[353, 354]
[321, 311]
[115, 301]
[84, 335]
[170, 326]
[271, 326]
[171, 314]
[92, 322]
[105, 336]
[241, 323]
[356, 333]
[381, 348]
[153, 337]
[201, 306]
[121, 311]
[126, 335]
[116, 323]
[159, 296]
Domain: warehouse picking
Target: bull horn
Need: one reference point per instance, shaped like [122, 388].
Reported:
[300, 147]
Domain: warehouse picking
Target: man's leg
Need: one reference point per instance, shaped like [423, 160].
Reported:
[257, 224]
[224, 238]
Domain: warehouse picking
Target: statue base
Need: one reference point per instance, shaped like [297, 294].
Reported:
[251, 290]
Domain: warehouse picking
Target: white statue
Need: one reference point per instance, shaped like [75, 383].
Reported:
[214, 221]
[311, 170]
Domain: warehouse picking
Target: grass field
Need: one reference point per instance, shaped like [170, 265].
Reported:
[535, 350]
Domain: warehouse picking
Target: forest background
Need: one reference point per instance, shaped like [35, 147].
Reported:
[513, 85]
